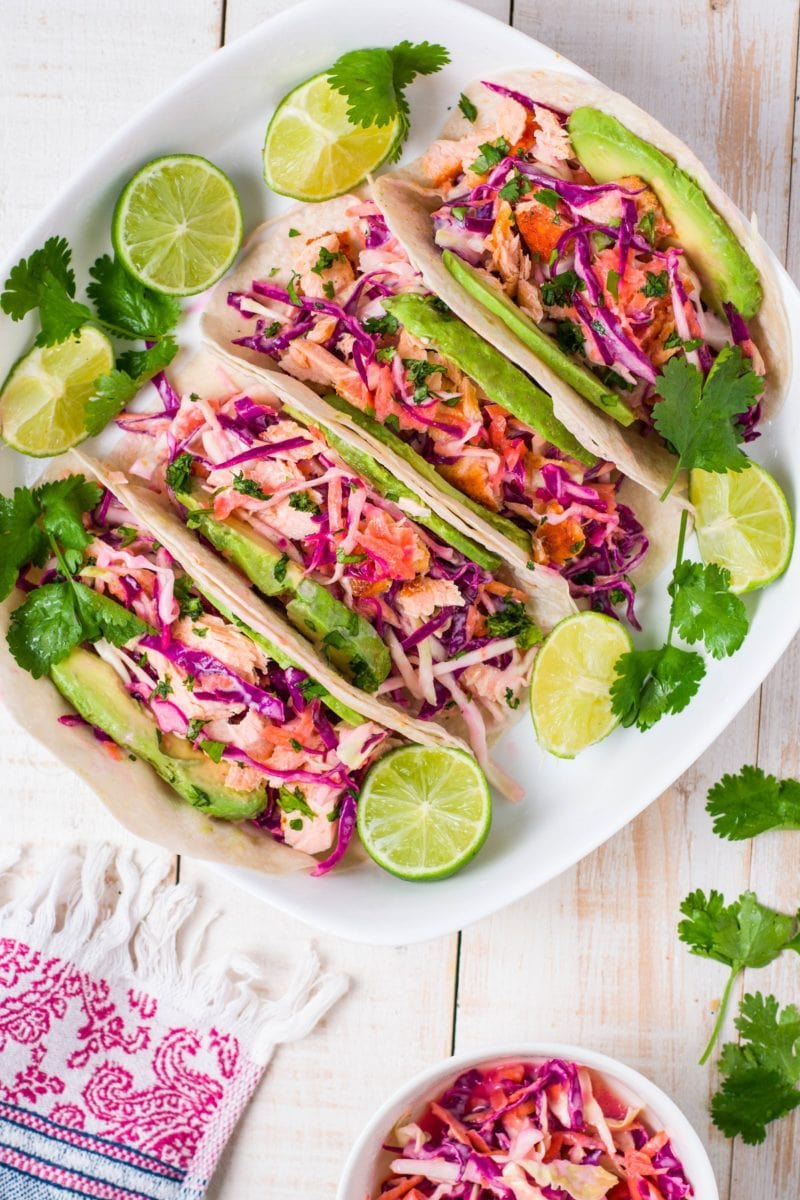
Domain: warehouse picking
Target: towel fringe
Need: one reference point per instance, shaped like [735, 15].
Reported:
[66, 914]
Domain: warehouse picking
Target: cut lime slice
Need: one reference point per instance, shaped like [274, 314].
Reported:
[43, 401]
[424, 812]
[743, 523]
[178, 224]
[312, 152]
[571, 683]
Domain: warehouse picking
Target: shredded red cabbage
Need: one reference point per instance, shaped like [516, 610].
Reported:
[344, 834]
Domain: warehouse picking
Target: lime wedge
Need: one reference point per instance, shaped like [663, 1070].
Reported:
[571, 683]
[743, 523]
[312, 152]
[424, 812]
[178, 225]
[43, 401]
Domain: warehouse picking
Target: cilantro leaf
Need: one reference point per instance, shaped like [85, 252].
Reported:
[293, 800]
[62, 503]
[213, 749]
[249, 487]
[189, 604]
[387, 324]
[468, 108]
[652, 683]
[23, 287]
[142, 365]
[44, 629]
[751, 802]
[491, 153]
[22, 540]
[761, 1072]
[134, 311]
[112, 392]
[373, 81]
[514, 188]
[655, 284]
[60, 316]
[512, 620]
[738, 935]
[560, 289]
[103, 617]
[179, 472]
[303, 502]
[704, 609]
[698, 417]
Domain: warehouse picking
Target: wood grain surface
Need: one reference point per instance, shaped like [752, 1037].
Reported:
[593, 958]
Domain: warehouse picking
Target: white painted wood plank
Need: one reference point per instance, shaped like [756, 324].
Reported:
[774, 1168]
[317, 1095]
[594, 959]
[71, 74]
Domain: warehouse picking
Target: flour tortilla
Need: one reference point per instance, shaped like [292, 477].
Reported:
[407, 199]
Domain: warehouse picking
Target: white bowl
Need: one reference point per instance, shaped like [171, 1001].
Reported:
[368, 1164]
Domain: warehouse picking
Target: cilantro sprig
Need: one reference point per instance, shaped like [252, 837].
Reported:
[699, 417]
[760, 1073]
[738, 935]
[651, 683]
[123, 307]
[35, 525]
[752, 802]
[374, 81]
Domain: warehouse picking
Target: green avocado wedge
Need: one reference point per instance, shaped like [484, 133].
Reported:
[609, 152]
[502, 382]
[391, 488]
[394, 488]
[542, 345]
[344, 637]
[95, 691]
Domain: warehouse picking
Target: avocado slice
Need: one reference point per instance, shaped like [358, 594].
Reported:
[609, 151]
[395, 489]
[505, 384]
[391, 488]
[543, 346]
[346, 639]
[94, 690]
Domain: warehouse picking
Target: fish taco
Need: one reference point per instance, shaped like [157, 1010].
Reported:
[592, 247]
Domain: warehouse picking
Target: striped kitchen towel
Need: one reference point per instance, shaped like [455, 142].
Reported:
[124, 1065]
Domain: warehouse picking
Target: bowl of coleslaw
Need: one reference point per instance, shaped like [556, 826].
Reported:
[539, 1121]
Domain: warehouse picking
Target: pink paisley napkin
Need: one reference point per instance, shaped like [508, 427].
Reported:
[124, 1065]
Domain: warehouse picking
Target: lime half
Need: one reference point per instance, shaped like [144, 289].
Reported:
[178, 224]
[743, 523]
[43, 401]
[571, 682]
[312, 152]
[424, 812]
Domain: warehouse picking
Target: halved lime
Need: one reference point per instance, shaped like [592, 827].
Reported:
[43, 401]
[312, 152]
[424, 812]
[571, 682]
[743, 523]
[178, 224]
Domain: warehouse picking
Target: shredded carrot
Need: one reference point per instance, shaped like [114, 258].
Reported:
[402, 1188]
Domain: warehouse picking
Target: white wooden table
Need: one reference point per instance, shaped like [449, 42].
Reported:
[593, 958]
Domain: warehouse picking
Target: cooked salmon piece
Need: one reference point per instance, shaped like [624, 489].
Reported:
[339, 273]
[539, 226]
[314, 364]
[560, 542]
[473, 477]
[420, 598]
[394, 543]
